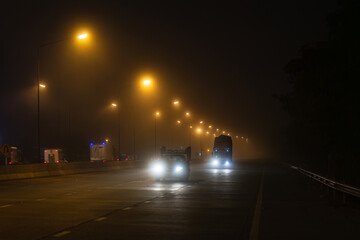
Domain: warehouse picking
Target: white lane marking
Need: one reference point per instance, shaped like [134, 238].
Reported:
[100, 219]
[254, 232]
[60, 234]
[127, 208]
[7, 205]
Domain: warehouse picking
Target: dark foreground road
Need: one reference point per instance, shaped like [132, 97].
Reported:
[256, 201]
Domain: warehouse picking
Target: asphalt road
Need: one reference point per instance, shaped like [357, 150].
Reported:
[251, 201]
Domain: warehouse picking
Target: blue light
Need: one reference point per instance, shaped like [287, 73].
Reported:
[103, 143]
[227, 150]
[91, 144]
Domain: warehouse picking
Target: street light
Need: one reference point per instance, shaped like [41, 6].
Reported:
[83, 36]
[176, 102]
[147, 82]
[201, 122]
[157, 115]
[178, 121]
[187, 114]
[114, 105]
[210, 126]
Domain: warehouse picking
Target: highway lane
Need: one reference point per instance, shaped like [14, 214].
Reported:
[251, 200]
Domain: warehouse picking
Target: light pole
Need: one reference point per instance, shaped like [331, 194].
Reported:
[82, 36]
[114, 105]
[157, 115]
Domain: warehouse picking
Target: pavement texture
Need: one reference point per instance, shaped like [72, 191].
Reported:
[249, 201]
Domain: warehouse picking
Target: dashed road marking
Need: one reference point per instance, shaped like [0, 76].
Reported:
[127, 208]
[7, 205]
[60, 234]
[100, 219]
[254, 232]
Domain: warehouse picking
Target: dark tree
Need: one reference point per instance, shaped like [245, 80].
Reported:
[324, 104]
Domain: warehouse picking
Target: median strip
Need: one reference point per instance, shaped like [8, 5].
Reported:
[254, 232]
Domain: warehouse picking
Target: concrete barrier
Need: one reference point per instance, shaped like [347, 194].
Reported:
[12, 172]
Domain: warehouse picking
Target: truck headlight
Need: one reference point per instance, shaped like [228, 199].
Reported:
[215, 162]
[158, 168]
[178, 169]
[227, 163]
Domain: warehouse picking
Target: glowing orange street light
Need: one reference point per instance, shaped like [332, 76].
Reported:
[224, 132]
[207, 132]
[191, 126]
[176, 102]
[217, 129]
[42, 85]
[210, 126]
[201, 122]
[157, 114]
[82, 36]
[147, 82]
[198, 130]
[187, 114]
[178, 121]
[114, 104]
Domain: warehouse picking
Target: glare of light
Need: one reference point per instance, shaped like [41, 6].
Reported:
[191, 126]
[207, 132]
[247, 140]
[176, 102]
[214, 135]
[215, 162]
[242, 138]
[227, 163]
[198, 130]
[147, 82]
[227, 171]
[217, 129]
[215, 171]
[237, 136]
[187, 114]
[224, 132]
[42, 85]
[157, 114]
[178, 121]
[114, 104]
[106, 140]
[208, 150]
[228, 134]
[82, 36]
[210, 126]
[201, 122]
[158, 168]
[178, 169]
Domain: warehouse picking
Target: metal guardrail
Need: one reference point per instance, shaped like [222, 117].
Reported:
[330, 183]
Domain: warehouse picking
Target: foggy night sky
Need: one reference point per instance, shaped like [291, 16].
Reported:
[223, 60]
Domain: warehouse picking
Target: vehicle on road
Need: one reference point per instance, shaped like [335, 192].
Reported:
[54, 155]
[101, 152]
[222, 152]
[172, 164]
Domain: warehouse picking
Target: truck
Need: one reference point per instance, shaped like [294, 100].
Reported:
[54, 155]
[172, 164]
[102, 151]
[222, 152]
